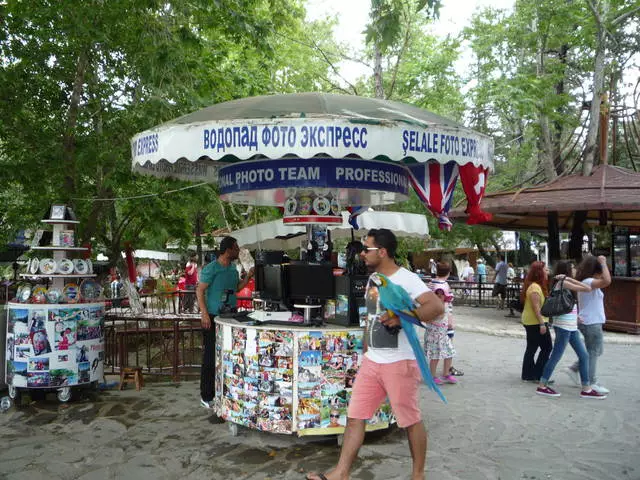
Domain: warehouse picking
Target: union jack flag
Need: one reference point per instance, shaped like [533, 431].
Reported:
[353, 215]
[434, 183]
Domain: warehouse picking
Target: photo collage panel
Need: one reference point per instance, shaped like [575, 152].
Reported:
[327, 365]
[257, 372]
[54, 346]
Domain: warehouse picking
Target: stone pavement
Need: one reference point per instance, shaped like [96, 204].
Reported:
[493, 427]
[498, 322]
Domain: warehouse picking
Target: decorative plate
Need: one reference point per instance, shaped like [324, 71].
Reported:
[81, 266]
[54, 295]
[90, 289]
[89, 265]
[321, 205]
[33, 266]
[47, 266]
[71, 293]
[305, 206]
[38, 298]
[290, 206]
[25, 293]
[39, 289]
[19, 292]
[335, 206]
[65, 267]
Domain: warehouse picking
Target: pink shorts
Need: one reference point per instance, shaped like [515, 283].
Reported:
[398, 380]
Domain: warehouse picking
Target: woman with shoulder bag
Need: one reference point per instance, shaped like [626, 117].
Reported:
[566, 330]
[532, 297]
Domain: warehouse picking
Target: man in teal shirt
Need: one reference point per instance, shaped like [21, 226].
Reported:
[216, 280]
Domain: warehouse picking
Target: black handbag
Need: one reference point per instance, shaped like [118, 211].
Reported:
[559, 301]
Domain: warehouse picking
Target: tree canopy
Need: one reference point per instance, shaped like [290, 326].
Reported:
[80, 78]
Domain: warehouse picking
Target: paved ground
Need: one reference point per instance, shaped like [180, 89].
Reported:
[494, 427]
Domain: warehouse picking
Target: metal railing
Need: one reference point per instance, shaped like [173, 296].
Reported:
[164, 338]
[480, 294]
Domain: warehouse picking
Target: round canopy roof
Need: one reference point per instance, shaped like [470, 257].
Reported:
[310, 129]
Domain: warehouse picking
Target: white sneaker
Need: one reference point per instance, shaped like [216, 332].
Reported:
[575, 377]
[208, 405]
[600, 389]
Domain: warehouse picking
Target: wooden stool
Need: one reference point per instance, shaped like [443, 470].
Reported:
[135, 372]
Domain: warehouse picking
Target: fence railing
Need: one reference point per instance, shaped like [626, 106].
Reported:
[165, 338]
[480, 294]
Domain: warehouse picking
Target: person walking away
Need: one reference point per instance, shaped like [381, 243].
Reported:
[433, 268]
[191, 281]
[500, 284]
[437, 343]
[566, 330]
[482, 271]
[591, 317]
[216, 279]
[511, 273]
[467, 276]
[389, 368]
[532, 295]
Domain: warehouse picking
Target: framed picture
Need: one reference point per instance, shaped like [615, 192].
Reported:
[35, 242]
[57, 212]
[66, 238]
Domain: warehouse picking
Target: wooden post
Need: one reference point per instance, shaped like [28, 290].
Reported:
[553, 241]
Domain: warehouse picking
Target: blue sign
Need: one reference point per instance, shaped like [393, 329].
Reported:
[344, 173]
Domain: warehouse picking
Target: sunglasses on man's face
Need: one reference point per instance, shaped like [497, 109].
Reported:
[334, 416]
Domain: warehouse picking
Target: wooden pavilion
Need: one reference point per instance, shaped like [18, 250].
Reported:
[609, 198]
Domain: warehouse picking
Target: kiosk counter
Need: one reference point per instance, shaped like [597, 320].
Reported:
[289, 379]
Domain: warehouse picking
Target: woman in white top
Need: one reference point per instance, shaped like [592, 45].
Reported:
[595, 273]
[566, 329]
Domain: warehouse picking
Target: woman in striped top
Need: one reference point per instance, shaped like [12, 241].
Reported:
[566, 330]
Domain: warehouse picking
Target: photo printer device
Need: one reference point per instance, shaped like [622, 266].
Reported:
[265, 316]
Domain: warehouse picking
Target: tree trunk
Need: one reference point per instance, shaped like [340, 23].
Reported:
[377, 72]
[598, 83]
[69, 135]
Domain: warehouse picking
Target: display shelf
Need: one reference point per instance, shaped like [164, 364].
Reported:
[70, 222]
[62, 249]
[58, 275]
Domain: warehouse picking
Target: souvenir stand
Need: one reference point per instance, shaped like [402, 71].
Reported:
[312, 155]
[55, 323]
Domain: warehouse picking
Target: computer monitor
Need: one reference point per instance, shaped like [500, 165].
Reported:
[270, 282]
[308, 280]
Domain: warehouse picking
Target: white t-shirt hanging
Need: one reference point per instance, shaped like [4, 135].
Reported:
[383, 347]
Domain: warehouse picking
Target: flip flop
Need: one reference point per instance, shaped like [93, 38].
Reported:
[455, 372]
[321, 476]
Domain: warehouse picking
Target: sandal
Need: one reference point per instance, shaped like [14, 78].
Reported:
[456, 372]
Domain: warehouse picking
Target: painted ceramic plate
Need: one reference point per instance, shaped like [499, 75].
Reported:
[321, 205]
[90, 289]
[54, 295]
[19, 292]
[39, 289]
[65, 267]
[290, 206]
[47, 266]
[81, 266]
[89, 265]
[335, 206]
[33, 266]
[25, 293]
[71, 293]
[305, 206]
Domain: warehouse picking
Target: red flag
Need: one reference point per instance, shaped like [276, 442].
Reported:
[474, 182]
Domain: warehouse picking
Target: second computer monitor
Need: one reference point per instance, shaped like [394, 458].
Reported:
[313, 281]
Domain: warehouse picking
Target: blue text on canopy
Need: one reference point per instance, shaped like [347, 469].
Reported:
[315, 172]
